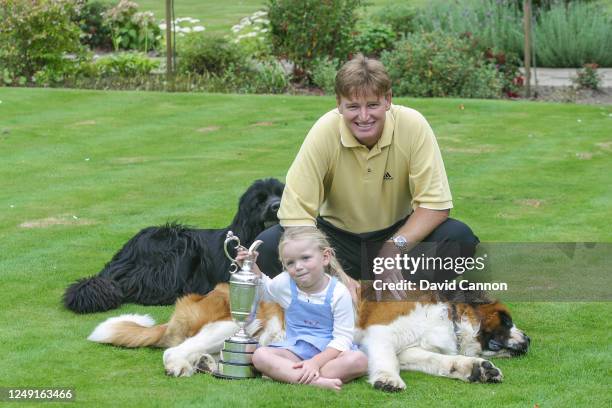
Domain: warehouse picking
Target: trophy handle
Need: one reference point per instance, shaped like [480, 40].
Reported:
[255, 245]
[229, 238]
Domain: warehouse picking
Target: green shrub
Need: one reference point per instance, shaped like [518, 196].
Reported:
[125, 64]
[497, 24]
[305, 30]
[324, 74]
[400, 16]
[267, 76]
[204, 53]
[252, 34]
[440, 65]
[373, 38]
[508, 67]
[38, 35]
[96, 34]
[573, 35]
[588, 77]
[130, 29]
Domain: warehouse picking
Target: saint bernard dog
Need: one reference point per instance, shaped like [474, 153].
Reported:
[443, 337]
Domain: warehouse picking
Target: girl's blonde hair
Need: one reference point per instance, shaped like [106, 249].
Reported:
[315, 236]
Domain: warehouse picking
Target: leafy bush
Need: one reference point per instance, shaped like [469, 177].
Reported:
[130, 29]
[439, 64]
[266, 76]
[588, 77]
[38, 35]
[497, 24]
[400, 16]
[572, 35]
[324, 74]
[201, 53]
[126, 65]
[252, 35]
[304, 30]
[373, 38]
[508, 66]
[96, 34]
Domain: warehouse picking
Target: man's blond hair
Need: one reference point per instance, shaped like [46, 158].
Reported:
[362, 76]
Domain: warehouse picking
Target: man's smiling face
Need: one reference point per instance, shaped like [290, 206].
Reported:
[365, 116]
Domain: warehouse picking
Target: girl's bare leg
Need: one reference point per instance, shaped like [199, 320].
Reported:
[278, 363]
[347, 366]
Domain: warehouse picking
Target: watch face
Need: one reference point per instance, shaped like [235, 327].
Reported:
[400, 241]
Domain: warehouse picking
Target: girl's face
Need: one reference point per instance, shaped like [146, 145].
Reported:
[305, 263]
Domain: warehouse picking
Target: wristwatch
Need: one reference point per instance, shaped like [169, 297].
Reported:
[400, 242]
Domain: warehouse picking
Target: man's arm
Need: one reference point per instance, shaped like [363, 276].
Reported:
[420, 224]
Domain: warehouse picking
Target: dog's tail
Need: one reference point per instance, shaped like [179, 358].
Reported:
[93, 294]
[130, 330]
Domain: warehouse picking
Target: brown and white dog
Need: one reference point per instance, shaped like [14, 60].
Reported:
[443, 338]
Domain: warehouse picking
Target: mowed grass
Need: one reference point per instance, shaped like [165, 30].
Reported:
[218, 16]
[81, 172]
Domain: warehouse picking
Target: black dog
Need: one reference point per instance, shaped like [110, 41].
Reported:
[160, 264]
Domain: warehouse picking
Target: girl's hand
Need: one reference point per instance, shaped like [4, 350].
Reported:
[242, 254]
[310, 371]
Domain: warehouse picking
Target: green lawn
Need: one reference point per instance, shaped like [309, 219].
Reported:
[83, 171]
[219, 16]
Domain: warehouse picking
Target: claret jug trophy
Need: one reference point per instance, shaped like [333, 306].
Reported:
[244, 289]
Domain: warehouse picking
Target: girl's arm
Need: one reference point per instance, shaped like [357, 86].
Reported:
[275, 290]
[344, 319]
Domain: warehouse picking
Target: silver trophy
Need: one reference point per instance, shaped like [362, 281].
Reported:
[244, 287]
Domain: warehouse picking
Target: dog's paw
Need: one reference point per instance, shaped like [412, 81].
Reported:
[177, 364]
[388, 382]
[484, 371]
[206, 364]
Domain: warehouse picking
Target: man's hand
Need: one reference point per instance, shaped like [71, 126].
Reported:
[394, 275]
[310, 371]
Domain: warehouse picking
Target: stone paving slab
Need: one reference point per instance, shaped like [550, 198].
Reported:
[563, 76]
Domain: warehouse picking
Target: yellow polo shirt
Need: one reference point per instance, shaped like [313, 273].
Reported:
[359, 189]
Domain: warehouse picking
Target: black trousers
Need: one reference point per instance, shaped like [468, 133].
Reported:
[451, 239]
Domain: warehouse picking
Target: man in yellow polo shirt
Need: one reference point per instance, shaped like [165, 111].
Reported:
[369, 171]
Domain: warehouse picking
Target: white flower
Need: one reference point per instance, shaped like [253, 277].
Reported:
[162, 27]
[198, 29]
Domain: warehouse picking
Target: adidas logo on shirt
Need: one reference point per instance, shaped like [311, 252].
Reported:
[387, 176]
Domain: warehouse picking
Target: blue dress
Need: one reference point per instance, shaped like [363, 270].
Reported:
[309, 327]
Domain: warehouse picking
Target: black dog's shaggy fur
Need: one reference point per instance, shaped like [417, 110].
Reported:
[160, 264]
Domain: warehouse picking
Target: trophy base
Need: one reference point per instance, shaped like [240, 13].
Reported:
[235, 371]
[236, 359]
[240, 344]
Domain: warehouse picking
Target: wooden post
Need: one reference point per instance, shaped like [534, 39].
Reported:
[169, 33]
[527, 53]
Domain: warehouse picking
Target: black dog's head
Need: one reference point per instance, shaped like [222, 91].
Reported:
[258, 208]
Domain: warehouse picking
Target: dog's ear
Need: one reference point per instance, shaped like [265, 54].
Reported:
[505, 319]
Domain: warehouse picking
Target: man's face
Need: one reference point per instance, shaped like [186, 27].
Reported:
[365, 116]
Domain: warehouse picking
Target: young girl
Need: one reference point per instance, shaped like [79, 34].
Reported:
[319, 315]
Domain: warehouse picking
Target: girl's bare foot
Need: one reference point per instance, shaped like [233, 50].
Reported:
[331, 383]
